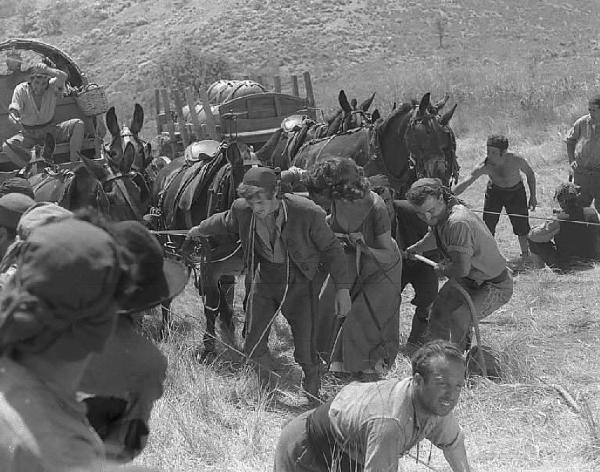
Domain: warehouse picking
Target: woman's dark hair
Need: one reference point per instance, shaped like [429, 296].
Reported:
[337, 178]
[421, 360]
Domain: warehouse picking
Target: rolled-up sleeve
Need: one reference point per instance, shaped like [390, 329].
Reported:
[17, 99]
[459, 238]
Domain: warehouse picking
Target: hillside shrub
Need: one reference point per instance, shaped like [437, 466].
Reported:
[186, 64]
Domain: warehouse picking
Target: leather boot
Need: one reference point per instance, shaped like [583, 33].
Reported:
[419, 327]
[311, 381]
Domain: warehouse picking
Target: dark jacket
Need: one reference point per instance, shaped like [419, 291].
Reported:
[306, 236]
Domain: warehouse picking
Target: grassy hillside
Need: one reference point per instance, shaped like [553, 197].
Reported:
[504, 51]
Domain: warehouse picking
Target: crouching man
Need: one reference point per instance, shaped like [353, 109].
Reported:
[284, 238]
[369, 426]
[567, 239]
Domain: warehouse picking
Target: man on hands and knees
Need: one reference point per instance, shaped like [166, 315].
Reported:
[567, 240]
[367, 427]
[32, 109]
[471, 259]
[284, 238]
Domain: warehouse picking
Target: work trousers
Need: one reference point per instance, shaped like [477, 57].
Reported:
[514, 199]
[425, 285]
[450, 316]
[69, 130]
[299, 309]
[589, 181]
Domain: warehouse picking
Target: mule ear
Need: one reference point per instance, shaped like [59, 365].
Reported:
[138, 120]
[95, 167]
[375, 115]
[439, 105]
[394, 106]
[344, 102]
[128, 157]
[148, 154]
[49, 147]
[364, 106]
[424, 105]
[445, 119]
[112, 123]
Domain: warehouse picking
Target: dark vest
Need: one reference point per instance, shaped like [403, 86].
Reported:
[577, 240]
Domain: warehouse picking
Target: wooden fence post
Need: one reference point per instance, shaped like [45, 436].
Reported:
[189, 99]
[179, 109]
[158, 117]
[277, 84]
[170, 124]
[295, 88]
[310, 96]
[210, 119]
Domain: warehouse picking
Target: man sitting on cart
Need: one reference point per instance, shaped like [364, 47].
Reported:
[32, 110]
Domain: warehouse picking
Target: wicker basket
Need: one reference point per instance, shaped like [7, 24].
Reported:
[92, 100]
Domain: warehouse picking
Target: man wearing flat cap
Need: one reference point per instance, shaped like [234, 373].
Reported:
[471, 258]
[583, 152]
[284, 238]
[32, 109]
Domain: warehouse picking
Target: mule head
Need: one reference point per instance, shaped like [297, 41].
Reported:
[430, 141]
[121, 136]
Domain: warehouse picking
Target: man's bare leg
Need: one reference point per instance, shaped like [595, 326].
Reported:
[524, 245]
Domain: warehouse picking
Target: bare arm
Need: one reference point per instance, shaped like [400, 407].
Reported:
[477, 172]
[457, 458]
[531, 183]
[427, 243]
[572, 139]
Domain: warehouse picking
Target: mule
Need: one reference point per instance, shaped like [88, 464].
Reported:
[187, 191]
[413, 142]
[282, 146]
[107, 186]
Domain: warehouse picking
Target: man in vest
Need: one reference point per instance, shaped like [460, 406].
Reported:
[32, 109]
[567, 239]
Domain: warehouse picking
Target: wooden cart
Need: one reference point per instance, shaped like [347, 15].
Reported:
[182, 117]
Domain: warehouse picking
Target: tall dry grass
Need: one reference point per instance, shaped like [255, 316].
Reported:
[214, 417]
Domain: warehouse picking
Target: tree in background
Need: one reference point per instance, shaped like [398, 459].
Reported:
[187, 64]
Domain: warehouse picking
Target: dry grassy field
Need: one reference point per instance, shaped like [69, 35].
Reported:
[521, 68]
[215, 418]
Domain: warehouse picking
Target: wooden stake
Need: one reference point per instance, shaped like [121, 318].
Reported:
[170, 125]
[211, 125]
[157, 109]
[182, 122]
[310, 96]
[295, 88]
[277, 83]
[189, 99]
